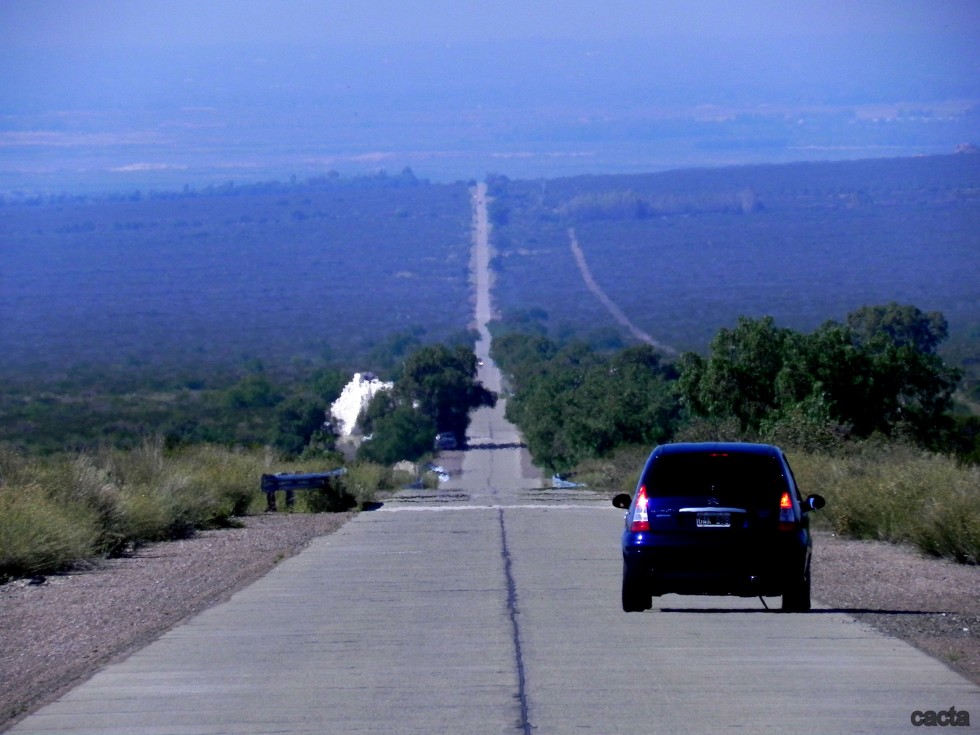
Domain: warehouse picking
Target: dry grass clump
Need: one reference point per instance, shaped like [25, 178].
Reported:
[39, 534]
[58, 512]
[357, 488]
[616, 472]
[899, 494]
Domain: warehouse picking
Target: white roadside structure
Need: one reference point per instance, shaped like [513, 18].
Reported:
[353, 399]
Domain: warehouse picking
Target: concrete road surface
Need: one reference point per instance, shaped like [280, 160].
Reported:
[491, 605]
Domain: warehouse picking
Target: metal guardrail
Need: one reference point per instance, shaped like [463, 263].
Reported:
[290, 482]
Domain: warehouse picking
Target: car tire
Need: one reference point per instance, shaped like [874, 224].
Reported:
[636, 593]
[796, 598]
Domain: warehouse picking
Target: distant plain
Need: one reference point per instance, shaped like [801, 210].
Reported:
[269, 273]
[685, 253]
[331, 267]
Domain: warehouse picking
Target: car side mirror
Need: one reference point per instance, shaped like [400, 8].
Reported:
[814, 502]
[622, 501]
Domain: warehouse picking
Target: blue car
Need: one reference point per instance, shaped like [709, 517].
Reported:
[717, 519]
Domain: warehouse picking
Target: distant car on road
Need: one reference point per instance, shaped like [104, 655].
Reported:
[441, 473]
[717, 519]
[445, 440]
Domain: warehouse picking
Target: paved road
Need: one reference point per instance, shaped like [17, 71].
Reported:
[491, 605]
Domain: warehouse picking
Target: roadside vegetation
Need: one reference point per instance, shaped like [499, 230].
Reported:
[62, 509]
[875, 491]
[865, 408]
[877, 375]
[58, 512]
[899, 494]
[434, 392]
[228, 356]
[249, 403]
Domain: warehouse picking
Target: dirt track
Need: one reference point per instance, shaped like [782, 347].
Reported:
[611, 306]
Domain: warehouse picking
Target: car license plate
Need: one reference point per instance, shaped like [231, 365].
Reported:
[714, 520]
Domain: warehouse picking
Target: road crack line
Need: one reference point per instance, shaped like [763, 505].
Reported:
[525, 723]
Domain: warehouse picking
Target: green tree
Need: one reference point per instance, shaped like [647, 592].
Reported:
[577, 404]
[254, 391]
[898, 325]
[381, 404]
[739, 376]
[298, 419]
[910, 387]
[546, 396]
[401, 433]
[328, 383]
[440, 382]
[877, 374]
[390, 353]
[436, 391]
[521, 354]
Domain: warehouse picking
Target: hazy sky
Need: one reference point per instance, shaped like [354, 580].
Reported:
[178, 22]
[271, 87]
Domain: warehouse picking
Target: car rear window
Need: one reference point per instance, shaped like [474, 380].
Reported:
[741, 480]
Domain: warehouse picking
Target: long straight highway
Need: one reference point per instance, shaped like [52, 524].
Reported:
[491, 605]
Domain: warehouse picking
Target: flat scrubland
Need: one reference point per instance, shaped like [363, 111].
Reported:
[200, 315]
[275, 272]
[323, 273]
[685, 253]
[208, 320]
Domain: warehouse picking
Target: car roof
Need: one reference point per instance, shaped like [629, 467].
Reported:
[720, 447]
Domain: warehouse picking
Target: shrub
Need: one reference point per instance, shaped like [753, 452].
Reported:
[701, 429]
[898, 494]
[358, 487]
[616, 472]
[365, 480]
[13, 466]
[81, 483]
[950, 521]
[63, 511]
[39, 534]
[333, 498]
[158, 511]
[228, 478]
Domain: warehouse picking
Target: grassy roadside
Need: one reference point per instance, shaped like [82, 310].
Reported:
[59, 512]
[874, 491]
[898, 494]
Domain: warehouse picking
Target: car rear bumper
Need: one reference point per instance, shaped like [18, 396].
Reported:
[673, 565]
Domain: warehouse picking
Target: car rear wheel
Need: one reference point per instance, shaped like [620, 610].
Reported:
[797, 597]
[636, 593]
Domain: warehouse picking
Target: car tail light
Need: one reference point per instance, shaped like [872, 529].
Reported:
[640, 521]
[787, 519]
